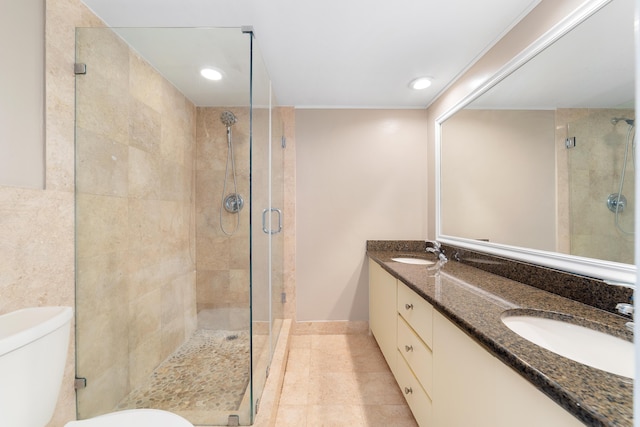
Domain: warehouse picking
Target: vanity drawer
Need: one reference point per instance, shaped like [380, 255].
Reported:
[419, 401]
[417, 312]
[418, 356]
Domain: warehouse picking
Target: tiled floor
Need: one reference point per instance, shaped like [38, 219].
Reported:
[340, 380]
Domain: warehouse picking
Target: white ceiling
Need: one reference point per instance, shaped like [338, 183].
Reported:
[592, 66]
[340, 53]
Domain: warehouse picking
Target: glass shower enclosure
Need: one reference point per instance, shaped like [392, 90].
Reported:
[179, 188]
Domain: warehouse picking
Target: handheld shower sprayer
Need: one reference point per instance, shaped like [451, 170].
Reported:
[232, 202]
[228, 119]
[616, 202]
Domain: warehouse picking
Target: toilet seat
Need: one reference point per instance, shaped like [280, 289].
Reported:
[134, 418]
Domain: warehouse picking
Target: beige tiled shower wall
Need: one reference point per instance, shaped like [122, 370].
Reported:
[223, 277]
[135, 220]
[222, 261]
[587, 174]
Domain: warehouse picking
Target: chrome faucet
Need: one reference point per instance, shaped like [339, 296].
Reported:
[626, 310]
[436, 250]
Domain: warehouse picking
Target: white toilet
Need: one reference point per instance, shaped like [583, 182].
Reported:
[134, 418]
[33, 350]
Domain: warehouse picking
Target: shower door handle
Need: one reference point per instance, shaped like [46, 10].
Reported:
[264, 221]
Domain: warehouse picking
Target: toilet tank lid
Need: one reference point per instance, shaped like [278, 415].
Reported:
[24, 326]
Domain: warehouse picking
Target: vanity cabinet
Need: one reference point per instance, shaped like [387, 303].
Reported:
[400, 321]
[415, 354]
[418, 400]
[472, 387]
[382, 312]
[447, 378]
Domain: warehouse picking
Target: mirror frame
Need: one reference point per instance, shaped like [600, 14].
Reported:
[611, 272]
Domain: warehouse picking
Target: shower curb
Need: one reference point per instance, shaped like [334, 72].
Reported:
[270, 400]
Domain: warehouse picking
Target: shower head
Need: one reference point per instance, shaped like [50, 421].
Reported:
[228, 118]
[615, 120]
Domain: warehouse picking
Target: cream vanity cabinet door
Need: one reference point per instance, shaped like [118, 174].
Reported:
[417, 312]
[473, 388]
[382, 312]
[415, 355]
[417, 399]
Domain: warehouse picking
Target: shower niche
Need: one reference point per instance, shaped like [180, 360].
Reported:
[177, 298]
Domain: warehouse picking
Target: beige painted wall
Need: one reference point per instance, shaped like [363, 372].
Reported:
[361, 175]
[22, 93]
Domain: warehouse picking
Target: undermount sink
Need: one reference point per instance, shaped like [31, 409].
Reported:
[581, 344]
[411, 260]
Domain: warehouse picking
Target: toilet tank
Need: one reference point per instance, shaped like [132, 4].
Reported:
[33, 350]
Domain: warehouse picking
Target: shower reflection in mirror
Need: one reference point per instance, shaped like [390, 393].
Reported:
[616, 202]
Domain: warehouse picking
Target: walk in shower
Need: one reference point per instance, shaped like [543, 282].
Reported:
[601, 176]
[178, 299]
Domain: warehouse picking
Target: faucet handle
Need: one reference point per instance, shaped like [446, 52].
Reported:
[434, 244]
[436, 249]
[624, 308]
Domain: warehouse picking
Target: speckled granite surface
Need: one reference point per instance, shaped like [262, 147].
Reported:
[590, 291]
[587, 290]
[475, 299]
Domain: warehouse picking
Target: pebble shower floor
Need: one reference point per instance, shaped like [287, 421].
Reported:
[209, 372]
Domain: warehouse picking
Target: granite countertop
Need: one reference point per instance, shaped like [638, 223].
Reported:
[474, 300]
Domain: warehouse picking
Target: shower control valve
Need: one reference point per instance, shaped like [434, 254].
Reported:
[616, 202]
[233, 203]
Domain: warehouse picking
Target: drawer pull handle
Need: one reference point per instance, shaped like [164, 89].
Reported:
[408, 306]
[408, 348]
[408, 390]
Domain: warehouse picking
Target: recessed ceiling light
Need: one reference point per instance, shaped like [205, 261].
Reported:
[211, 74]
[420, 83]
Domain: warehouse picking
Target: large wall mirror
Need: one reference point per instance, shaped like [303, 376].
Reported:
[538, 163]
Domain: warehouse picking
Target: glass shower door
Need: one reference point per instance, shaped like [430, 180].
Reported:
[266, 229]
[278, 295]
